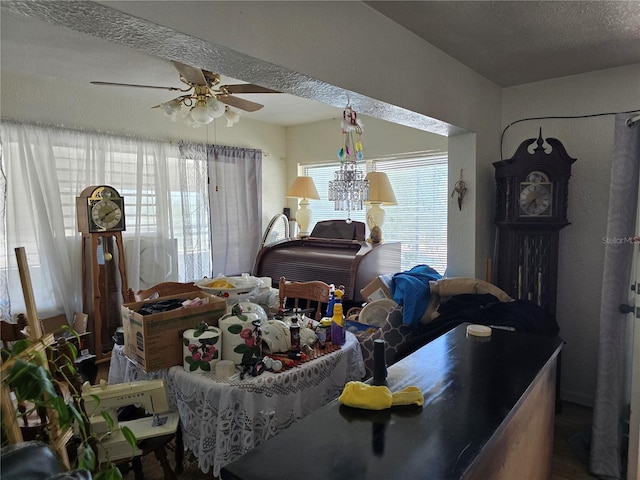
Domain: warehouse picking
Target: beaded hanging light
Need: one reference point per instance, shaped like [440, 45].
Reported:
[349, 188]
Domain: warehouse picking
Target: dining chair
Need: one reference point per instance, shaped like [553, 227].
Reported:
[305, 295]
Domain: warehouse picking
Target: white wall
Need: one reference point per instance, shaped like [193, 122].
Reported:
[55, 103]
[581, 255]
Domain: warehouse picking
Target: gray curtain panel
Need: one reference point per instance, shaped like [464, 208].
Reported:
[605, 458]
[235, 204]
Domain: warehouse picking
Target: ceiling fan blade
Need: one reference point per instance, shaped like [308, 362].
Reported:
[240, 103]
[190, 74]
[246, 88]
[113, 84]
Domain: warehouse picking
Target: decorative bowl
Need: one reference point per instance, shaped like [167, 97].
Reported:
[233, 289]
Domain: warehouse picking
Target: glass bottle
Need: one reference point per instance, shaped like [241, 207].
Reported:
[294, 331]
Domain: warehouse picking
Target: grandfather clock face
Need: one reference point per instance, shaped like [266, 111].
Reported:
[100, 209]
[536, 195]
[531, 208]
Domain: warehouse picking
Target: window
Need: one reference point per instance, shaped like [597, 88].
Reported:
[323, 209]
[134, 167]
[419, 221]
[46, 168]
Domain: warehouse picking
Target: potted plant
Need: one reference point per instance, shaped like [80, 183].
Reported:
[38, 372]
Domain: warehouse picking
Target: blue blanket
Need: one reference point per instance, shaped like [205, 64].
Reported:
[411, 290]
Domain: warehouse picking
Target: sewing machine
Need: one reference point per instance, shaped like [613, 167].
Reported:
[104, 400]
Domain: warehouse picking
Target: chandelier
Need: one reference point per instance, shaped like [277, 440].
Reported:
[349, 189]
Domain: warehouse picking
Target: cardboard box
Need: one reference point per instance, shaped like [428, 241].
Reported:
[378, 288]
[54, 325]
[154, 341]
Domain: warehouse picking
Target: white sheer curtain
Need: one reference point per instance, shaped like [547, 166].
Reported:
[45, 168]
[235, 199]
[35, 219]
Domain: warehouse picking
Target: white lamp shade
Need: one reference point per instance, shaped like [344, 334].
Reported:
[303, 187]
[380, 190]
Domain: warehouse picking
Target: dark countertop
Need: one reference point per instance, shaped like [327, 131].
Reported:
[470, 386]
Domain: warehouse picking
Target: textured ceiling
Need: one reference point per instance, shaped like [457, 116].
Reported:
[517, 42]
[509, 43]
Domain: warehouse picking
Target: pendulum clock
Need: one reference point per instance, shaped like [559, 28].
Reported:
[532, 190]
[100, 219]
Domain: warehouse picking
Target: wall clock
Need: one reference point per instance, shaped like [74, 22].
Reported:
[101, 220]
[531, 209]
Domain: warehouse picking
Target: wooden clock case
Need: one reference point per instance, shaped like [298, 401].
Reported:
[104, 285]
[526, 262]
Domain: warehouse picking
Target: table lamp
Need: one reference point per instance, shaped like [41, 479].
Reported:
[304, 188]
[380, 193]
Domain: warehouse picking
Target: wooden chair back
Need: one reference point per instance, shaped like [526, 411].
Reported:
[10, 332]
[162, 290]
[304, 295]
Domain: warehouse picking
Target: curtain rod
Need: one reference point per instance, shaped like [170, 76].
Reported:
[84, 130]
[631, 121]
[111, 134]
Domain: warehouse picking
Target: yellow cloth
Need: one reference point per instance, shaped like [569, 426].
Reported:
[408, 396]
[372, 397]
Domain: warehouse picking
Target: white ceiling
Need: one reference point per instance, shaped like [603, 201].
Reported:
[509, 43]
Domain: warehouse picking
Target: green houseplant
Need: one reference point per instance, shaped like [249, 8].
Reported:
[38, 372]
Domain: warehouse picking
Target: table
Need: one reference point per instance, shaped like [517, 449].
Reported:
[121, 369]
[223, 419]
[488, 413]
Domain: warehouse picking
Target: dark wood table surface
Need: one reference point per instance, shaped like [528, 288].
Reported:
[470, 385]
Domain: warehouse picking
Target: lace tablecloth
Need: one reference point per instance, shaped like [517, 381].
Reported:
[223, 419]
[121, 369]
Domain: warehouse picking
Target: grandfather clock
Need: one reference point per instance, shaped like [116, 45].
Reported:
[100, 219]
[532, 190]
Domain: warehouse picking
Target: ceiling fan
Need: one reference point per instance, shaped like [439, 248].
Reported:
[204, 96]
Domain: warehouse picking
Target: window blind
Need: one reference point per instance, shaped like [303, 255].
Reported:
[419, 221]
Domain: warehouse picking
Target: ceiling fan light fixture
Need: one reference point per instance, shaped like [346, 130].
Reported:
[215, 109]
[172, 107]
[201, 98]
[188, 119]
[200, 113]
[232, 116]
